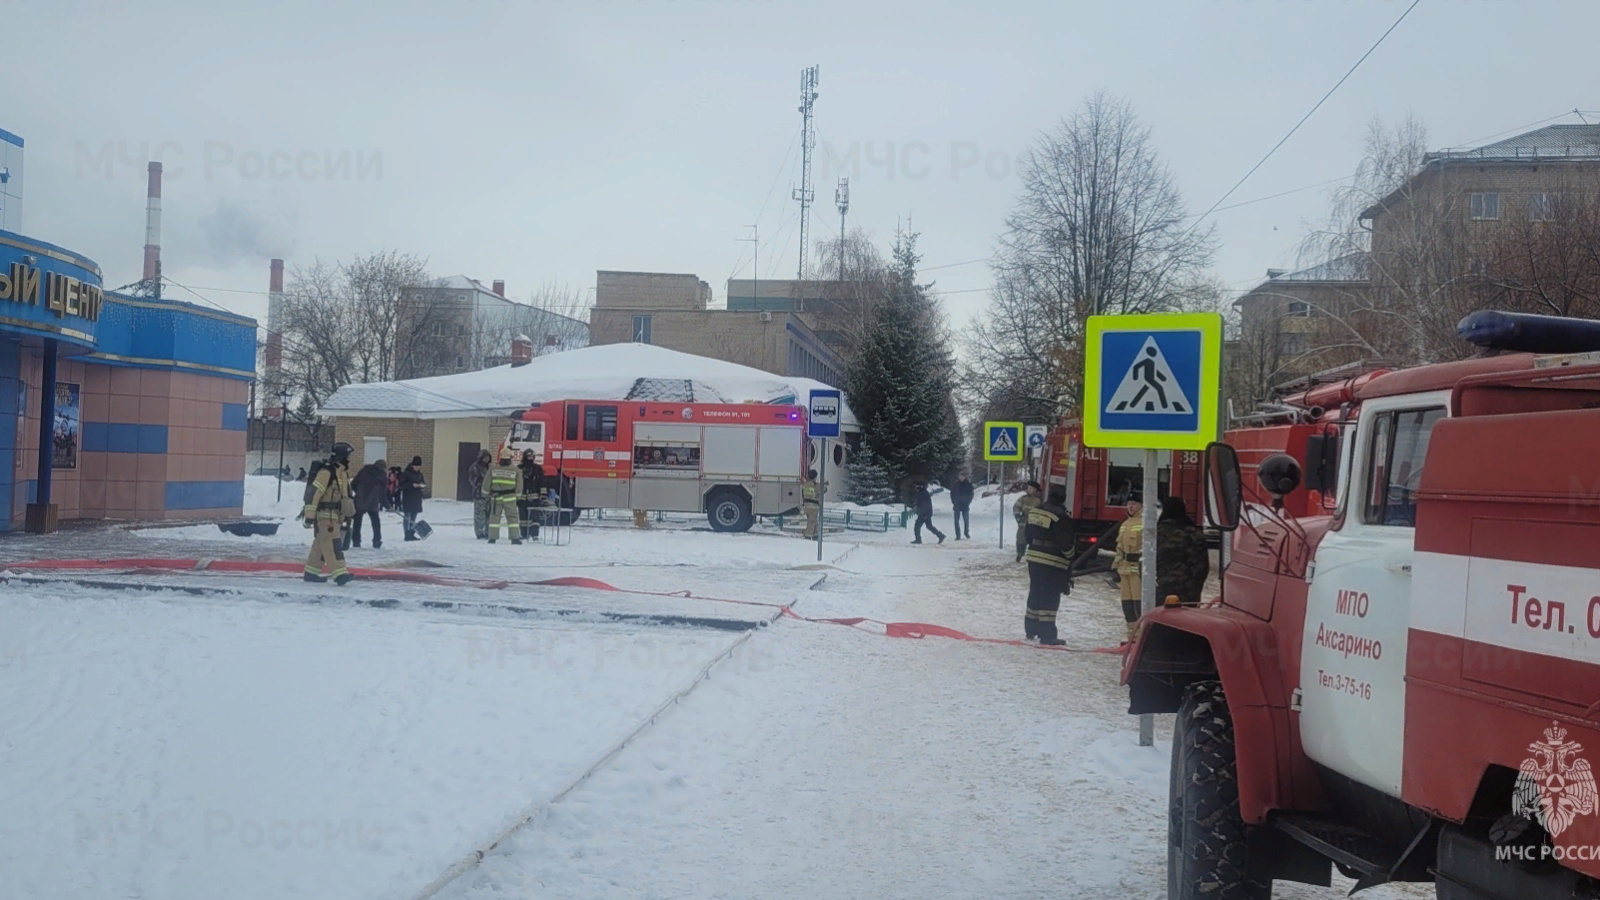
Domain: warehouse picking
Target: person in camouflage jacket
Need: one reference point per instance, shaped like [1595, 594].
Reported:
[1182, 561]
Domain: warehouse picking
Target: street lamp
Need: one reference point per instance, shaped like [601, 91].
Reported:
[283, 436]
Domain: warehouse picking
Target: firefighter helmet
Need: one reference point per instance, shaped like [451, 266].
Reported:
[342, 451]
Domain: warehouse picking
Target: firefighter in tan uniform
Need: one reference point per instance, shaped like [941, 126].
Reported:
[503, 486]
[329, 503]
[811, 502]
[1130, 545]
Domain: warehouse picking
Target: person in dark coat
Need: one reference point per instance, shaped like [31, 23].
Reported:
[1049, 555]
[412, 484]
[371, 486]
[532, 495]
[1182, 561]
[961, 502]
[924, 507]
[393, 502]
[480, 498]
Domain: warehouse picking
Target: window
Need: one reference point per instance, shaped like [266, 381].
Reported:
[572, 422]
[641, 329]
[667, 456]
[1298, 308]
[1485, 206]
[1394, 468]
[1291, 343]
[600, 423]
[1541, 207]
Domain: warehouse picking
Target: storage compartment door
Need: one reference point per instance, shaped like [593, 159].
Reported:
[781, 449]
[729, 451]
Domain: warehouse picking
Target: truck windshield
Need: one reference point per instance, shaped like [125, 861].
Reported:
[1399, 447]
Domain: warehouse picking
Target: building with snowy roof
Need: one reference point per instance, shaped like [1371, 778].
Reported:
[469, 326]
[448, 419]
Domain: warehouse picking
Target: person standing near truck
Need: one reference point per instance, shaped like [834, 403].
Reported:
[1019, 511]
[480, 500]
[811, 502]
[1130, 546]
[1049, 555]
[961, 506]
[412, 484]
[503, 485]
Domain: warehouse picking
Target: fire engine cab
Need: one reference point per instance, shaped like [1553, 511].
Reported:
[731, 461]
[1100, 482]
[1405, 685]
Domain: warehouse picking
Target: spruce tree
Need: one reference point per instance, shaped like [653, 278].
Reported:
[900, 382]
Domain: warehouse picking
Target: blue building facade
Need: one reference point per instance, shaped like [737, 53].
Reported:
[115, 407]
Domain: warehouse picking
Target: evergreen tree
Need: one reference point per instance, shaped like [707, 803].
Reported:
[866, 481]
[900, 381]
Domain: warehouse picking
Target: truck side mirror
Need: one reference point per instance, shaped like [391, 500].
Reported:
[1224, 491]
[1322, 462]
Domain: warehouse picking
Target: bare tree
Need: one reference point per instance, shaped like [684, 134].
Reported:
[1099, 227]
[555, 318]
[1545, 256]
[349, 323]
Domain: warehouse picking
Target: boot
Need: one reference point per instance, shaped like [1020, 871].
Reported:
[377, 545]
[344, 579]
[1052, 642]
[315, 579]
[941, 538]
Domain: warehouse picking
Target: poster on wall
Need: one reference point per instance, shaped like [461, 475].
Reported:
[22, 423]
[69, 417]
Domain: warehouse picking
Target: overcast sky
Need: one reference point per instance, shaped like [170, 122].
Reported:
[540, 140]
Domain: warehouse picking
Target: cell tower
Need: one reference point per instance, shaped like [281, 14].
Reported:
[841, 199]
[808, 140]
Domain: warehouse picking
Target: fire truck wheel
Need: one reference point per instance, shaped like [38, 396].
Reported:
[1205, 832]
[729, 510]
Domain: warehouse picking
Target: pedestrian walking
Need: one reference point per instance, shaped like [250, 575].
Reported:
[328, 504]
[503, 485]
[1049, 555]
[412, 484]
[1130, 546]
[476, 472]
[529, 496]
[924, 506]
[811, 502]
[1182, 561]
[1019, 511]
[371, 486]
[961, 504]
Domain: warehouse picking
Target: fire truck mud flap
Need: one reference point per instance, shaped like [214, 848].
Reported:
[1179, 647]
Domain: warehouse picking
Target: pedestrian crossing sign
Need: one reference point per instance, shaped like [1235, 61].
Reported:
[1151, 382]
[1002, 441]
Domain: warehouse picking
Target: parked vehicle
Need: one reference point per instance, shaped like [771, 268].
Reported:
[732, 462]
[1407, 685]
[1100, 482]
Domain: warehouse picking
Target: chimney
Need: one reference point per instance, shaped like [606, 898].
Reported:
[521, 350]
[500, 288]
[1275, 273]
[272, 358]
[152, 225]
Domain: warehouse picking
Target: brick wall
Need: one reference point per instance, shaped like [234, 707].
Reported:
[406, 438]
[650, 290]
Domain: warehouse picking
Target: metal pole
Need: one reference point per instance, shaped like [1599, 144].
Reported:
[1147, 571]
[1002, 516]
[283, 438]
[822, 496]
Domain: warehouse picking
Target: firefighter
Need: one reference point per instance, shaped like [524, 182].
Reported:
[532, 494]
[503, 486]
[1049, 555]
[811, 502]
[480, 498]
[328, 503]
[1019, 511]
[1130, 543]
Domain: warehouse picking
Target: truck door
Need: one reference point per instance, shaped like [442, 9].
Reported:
[1353, 655]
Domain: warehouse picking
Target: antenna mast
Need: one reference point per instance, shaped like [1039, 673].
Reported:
[808, 139]
[841, 199]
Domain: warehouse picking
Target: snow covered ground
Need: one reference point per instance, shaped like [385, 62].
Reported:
[255, 736]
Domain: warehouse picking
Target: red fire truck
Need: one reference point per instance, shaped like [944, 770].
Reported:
[1405, 686]
[731, 461]
[1099, 482]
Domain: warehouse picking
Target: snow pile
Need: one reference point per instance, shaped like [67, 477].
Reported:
[261, 497]
[607, 372]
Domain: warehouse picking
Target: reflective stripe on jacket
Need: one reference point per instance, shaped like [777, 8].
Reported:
[1050, 539]
[504, 479]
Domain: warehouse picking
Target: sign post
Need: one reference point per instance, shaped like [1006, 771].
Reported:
[822, 423]
[1003, 442]
[1151, 383]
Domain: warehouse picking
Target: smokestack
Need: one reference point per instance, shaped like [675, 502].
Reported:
[152, 226]
[273, 357]
[500, 288]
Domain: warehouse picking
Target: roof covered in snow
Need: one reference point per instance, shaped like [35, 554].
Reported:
[609, 372]
[1552, 141]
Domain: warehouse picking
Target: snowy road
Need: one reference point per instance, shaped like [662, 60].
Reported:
[261, 737]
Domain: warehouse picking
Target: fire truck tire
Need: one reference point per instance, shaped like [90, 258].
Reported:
[729, 510]
[1206, 836]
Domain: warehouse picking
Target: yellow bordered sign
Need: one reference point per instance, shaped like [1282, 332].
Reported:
[1151, 382]
[1003, 442]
